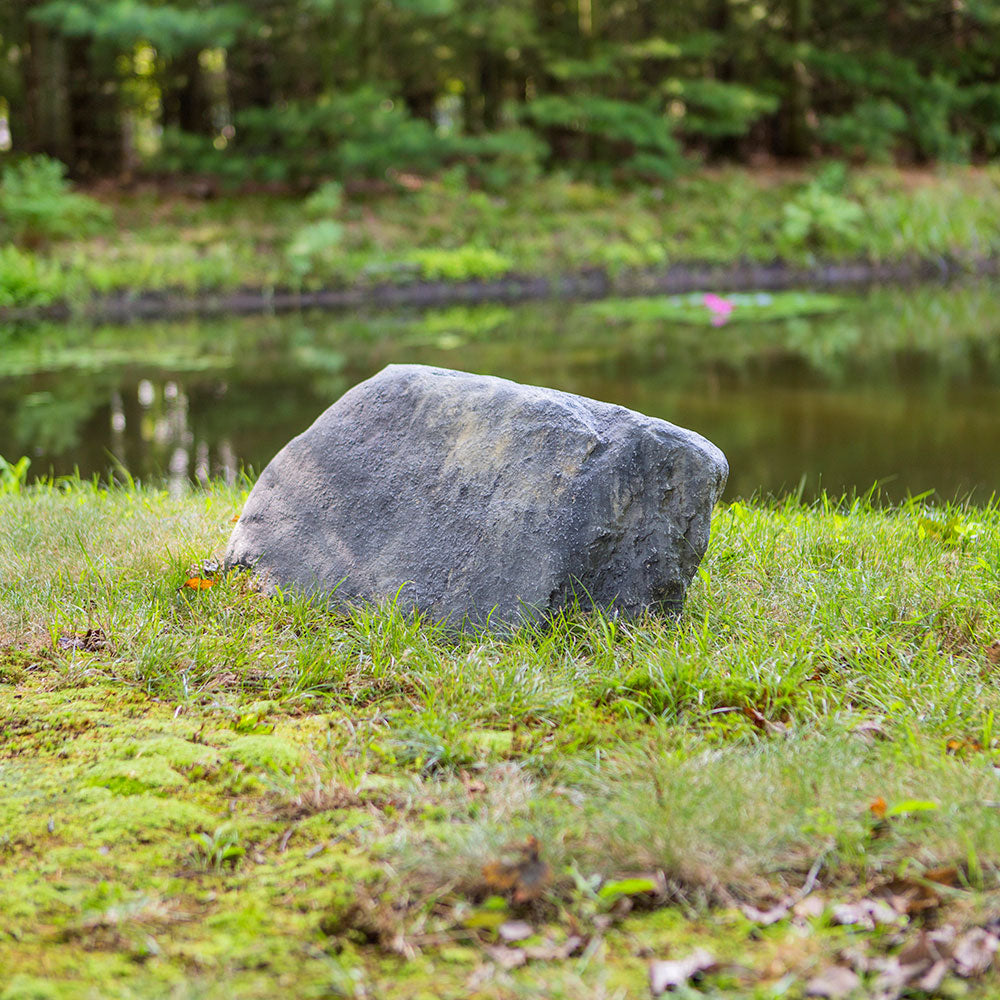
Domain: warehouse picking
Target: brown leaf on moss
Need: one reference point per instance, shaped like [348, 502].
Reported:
[963, 747]
[525, 879]
[91, 641]
[834, 983]
[908, 896]
[669, 975]
[993, 652]
[947, 875]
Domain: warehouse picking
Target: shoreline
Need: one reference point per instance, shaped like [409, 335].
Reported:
[586, 283]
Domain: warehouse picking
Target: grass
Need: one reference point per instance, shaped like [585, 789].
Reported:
[444, 231]
[208, 793]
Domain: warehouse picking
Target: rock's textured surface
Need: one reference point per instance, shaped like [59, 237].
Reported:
[473, 497]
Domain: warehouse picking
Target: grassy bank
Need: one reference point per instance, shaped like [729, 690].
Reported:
[207, 794]
[441, 230]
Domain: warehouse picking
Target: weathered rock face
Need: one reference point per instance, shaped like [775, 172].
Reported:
[475, 498]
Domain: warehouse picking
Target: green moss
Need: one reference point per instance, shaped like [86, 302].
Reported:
[177, 752]
[25, 987]
[264, 752]
[135, 777]
[142, 817]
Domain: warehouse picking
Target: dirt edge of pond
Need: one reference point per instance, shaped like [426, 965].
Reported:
[587, 283]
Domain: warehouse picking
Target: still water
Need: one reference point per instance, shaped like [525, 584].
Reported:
[899, 387]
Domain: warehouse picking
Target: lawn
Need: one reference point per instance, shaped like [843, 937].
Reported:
[209, 793]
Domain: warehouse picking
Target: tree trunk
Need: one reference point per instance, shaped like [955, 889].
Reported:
[44, 127]
[96, 138]
[249, 76]
[797, 101]
[491, 67]
[725, 147]
[186, 104]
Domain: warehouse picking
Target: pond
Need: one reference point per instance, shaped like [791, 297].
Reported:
[899, 387]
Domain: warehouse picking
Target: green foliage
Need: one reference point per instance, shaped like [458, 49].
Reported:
[13, 476]
[501, 160]
[870, 131]
[171, 28]
[714, 108]
[218, 850]
[326, 200]
[464, 263]
[313, 246]
[819, 218]
[614, 91]
[359, 134]
[36, 203]
[29, 280]
[615, 134]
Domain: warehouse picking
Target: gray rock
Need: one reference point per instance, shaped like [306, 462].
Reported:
[472, 498]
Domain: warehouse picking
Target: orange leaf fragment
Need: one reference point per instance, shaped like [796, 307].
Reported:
[878, 807]
[198, 583]
[234, 519]
[526, 878]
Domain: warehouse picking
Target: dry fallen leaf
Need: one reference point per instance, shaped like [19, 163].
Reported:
[865, 913]
[764, 918]
[764, 724]
[921, 965]
[668, 975]
[946, 875]
[515, 930]
[908, 896]
[549, 951]
[508, 958]
[974, 951]
[993, 652]
[834, 983]
[811, 906]
[963, 747]
[878, 807]
[197, 583]
[473, 786]
[524, 879]
[91, 641]
[870, 730]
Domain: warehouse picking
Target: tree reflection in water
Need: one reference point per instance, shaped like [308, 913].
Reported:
[900, 385]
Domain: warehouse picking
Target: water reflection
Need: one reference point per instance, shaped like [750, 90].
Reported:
[901, 387]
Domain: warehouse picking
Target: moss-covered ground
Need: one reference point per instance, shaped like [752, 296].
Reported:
[207, 793]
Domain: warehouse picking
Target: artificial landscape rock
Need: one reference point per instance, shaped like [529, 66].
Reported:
[478, 500]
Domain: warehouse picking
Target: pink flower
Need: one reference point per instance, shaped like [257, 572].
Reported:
[719, 307]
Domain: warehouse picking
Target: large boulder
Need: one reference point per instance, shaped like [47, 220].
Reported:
[473, 498]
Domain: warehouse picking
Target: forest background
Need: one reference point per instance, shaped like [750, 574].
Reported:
[291, 92]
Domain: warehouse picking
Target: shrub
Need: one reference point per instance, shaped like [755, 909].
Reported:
[464, 263]
[313, 247]
[869, 132]
[500, 160]
[354, 135]
[37, 205]
[820, 218]
[26, 280]
[614, 136]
